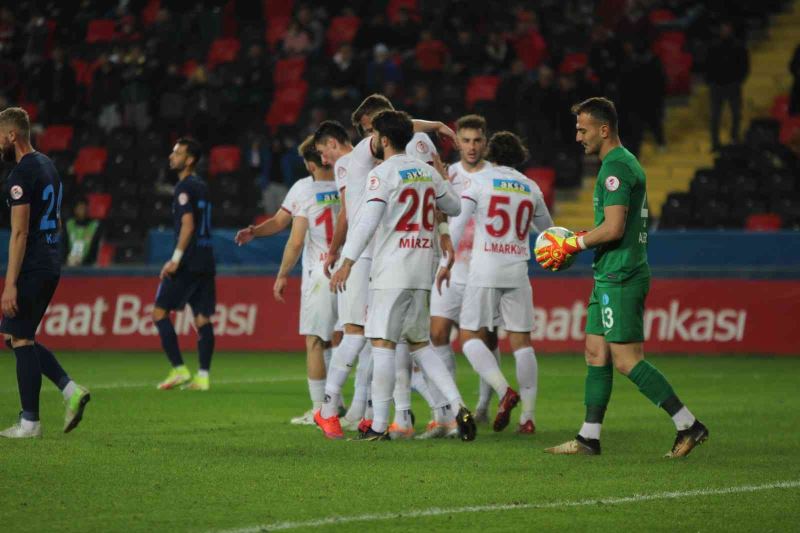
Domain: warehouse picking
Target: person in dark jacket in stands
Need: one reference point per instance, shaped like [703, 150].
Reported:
[727, 67]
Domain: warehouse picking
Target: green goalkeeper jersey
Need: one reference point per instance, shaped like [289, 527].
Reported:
[621, 181]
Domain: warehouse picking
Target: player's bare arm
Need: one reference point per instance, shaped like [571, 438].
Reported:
[291, 253]
[611, 229]
[339, 236]
[434, 126]
[20, 217]
[278, 222]
[185, 235]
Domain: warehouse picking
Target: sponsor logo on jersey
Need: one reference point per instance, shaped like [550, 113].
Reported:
[414, 175]
[16, 192]
[511, 186]
[183, 198]
[612, 183]
[422, 147]
[328, 198]
[374, 183]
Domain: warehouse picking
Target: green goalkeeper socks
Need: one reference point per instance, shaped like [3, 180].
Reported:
[655, 386]
[597, 392]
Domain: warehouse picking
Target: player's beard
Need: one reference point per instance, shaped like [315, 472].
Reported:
[8, 154]
[379, 153]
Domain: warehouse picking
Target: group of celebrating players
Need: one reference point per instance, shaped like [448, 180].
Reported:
[397, 249]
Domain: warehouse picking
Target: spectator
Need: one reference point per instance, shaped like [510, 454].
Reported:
[297, 40]
[345, 75]
[381, 69]
[59, 87]
[794, 97]
[421, 103]
[605, 57]
[464, 51]
[529, 44]
[509, 94]
[497, 54]
[431, 54]
[258, 161]
[539, 115]
[642, 93]
[312, 25]
[727, 67]
[81, 236]
[375, 31]
[404, 30]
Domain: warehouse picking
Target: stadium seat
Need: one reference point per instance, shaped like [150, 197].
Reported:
[276, 29]
[150, 12]
[763, 131]
[763, 222]
[669, 43]
[288, 71]
[790, 129]
[226, 186]
[105, 254]
[32, 109]
[56, 138]
[160, 212]
[780, 107]
[101, 31]
[713, 214]
[660, 16]
[277, 8]
[573, 63]
[93, 182]
[121, 165]
[341, 30]
[99, 205]
[676, 212]
[121, 140]
[393, 8]
[124, 188]
[568, 164]
[704, 185]
[225, 158]
[481, 88]
[678, 68]
[287, 105]
[126, 209]
[223, 50]
[90, 160]
[742, 207]
[545, 178]
[127, 253]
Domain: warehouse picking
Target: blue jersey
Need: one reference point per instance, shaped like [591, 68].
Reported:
[35, 182]
[191, 196]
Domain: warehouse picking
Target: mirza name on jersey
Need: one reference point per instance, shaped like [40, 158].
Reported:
[511, 186]
[415, 242]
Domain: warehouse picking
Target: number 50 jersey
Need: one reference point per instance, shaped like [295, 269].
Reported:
[507, 205]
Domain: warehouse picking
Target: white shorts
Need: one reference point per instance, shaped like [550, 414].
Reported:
[353, 301]
[399, 315]
[317, 306]
[448, 304]
[485, 307]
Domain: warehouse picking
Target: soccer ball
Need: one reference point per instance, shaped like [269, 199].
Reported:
[556, 231]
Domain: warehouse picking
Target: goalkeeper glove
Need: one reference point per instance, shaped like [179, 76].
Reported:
[561, 248]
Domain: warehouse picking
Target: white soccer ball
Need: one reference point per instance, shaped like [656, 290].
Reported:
[557, 231]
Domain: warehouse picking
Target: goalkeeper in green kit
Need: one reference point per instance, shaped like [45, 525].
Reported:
[615, 314]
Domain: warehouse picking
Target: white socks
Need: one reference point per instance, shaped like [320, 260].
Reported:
[362, 384]
[484, 389]
[683, 419]
[383, 373]
[316, 389]
[402, 381]
[69, 389]
[339, 368]
[590, 430]
[327, 353]
[445, 353]
[527, 378]
[484, 363]
[436, 372]
[28, 425]
[202, 373]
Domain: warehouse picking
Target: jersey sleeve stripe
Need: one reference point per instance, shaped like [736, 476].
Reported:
[468, 198]
[286, 210]
[376, 200]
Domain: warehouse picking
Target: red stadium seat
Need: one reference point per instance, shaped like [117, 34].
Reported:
[481, 88]
[276, 30]
[56, 138]
[277, 8]
[531, 48]
[287, 105]
[150, 12]
[660, 16]
[225, 158]
[678, 68]
[763, 222]
[341, 30]
[573, 63]
[99, 205]
[790, 128]
[394, 7]
[223, 50]
[289, 71]
[101, 31]
[90, 160]
[545, 178]
[105, 255]
[780, 107]
[32, 109]
[669, 43]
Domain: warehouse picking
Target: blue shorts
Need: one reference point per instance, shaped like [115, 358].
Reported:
[34, 292]
[196, 289]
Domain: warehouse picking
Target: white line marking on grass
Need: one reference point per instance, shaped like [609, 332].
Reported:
[437, 511]
[149, 384]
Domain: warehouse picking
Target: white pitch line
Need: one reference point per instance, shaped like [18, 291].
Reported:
[437, 511]
[149, 384]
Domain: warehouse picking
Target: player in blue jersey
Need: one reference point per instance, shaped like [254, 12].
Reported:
[189, 276]
[33, 192]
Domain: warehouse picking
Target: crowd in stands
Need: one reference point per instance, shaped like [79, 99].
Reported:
[110, 84]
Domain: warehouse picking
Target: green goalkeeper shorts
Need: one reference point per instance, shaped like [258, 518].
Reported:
[616, 311]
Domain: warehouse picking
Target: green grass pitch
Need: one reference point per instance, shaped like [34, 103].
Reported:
[227, 460]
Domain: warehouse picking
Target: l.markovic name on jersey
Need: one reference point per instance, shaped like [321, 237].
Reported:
[511, 186]
[506, 248]
[415, 242]
[414, 175]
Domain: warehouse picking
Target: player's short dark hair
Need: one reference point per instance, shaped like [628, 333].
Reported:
[331, 129]
[395, 126]
[371, 105]
[506, 149]
[600, 108]
[192, 147]
[18, 118]
[309, 152]
[471, 122]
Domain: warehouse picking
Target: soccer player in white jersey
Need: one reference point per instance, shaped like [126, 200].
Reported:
[399, 211]
[314, 201]
[505, 205]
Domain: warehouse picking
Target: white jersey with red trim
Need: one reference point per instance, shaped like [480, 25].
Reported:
[318, 202]
[404, 241]
[506, 203]
[461, 179]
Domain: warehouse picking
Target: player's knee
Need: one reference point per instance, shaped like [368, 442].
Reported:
[439, 336]
[595, 356]
[623, 365]
[200, 321]
[158, 314]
